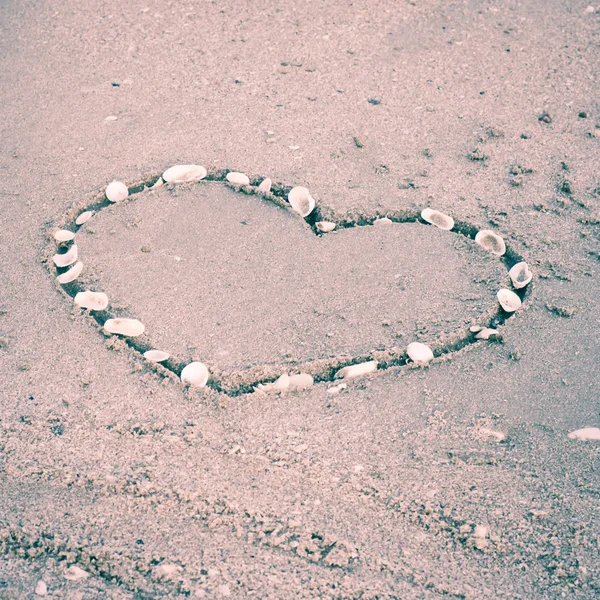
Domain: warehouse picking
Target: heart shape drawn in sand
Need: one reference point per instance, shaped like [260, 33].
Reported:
[299, 215]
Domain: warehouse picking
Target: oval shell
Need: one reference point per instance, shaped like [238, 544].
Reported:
[195, 374]
[509, 301]
[71, 275]
[156, 355]
[325, 226]
[301, 201]
[84, 217]
[486, 333]
[116, 191]
[63, 235]
[587, 433]
[301, 381]
[265, 186]
[491, 242]
[520, 275]
[92, 300]
[238, 178]
[437, 218]
[184, 173]
[382, 221]
[128, 327]
[357, 370]
[66, 259]
[419, 353]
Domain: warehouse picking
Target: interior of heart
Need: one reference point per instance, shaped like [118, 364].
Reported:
[235, 281]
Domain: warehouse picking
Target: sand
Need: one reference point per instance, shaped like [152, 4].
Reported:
[395, 488]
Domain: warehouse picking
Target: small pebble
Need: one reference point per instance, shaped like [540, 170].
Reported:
[41, 589]
[111, 118]
[75, 573]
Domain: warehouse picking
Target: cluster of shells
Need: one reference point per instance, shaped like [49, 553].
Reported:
[197, 374]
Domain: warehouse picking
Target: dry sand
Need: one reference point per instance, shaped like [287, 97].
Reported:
[395, 488]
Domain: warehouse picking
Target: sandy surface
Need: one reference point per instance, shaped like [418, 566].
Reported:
[395, 488]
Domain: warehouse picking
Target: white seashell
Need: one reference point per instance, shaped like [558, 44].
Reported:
[336, 389]
[128, 327]
[158, 183]
[587, 434]
[184, 173]
[63, 235]
[282, 383]
[419, 353]
[156, 355]
[84, 217]
[475, 328]
[75, 573]
[325, 226]
[265, 186]
[357, 370]
[486, 333]
[508, 300]
[301, 381]
[92, 300]
[195, 374]
[520, 275]
[437, 218]
[491, 241]
[264, 388]
[71, 275]
[301, 201]
[238, 178]
[66, 259]
[382, 221]
[116, 191]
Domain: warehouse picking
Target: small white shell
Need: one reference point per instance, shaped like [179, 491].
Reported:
[437, 218]
[508, 300]
[357, 370]
[84, 217]
[520, 275]
[156, 355]
[184, 173]
[195, 374]
[92, 300]
[336, 389]
[419, 353]
[66, 259]
[63, 235]
[128, 327]
[75, 573]
[282, 383]
[71, 275]
[325, 226]
[475, 328]
[587, 433]
[238, 178]
[301, 201]
[491, 241]
[301, 381]
[382, 221]
[158, 183]
[486, 333]
[265, 186]
[116, 191]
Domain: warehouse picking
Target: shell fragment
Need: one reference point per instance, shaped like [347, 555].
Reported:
[195, 375]
[84, 217]
[586, 434]
[156, 355]
[238, 178]
[486, 333]
[71, 275]
[382, 221]
[66, 259]
[116, 191]
[265, 186]
[301, 381]
[419, 353]
[127, 327]
[336, 389]
[509, 301]
[491, 242]
[325, 226]
[301, 201]
[357, 370]
[520, 275]
[184, 173]
[63, 235]
[437, 218]
[91, 300]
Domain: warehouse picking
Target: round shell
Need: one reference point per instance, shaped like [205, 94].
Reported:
[509, 301]
[382, 221]
[71, 275]
[301, 201]
[437, 218]
[301, 381]
[92, 300]
[156, 355]
[357, 370]
[491, 242]
[238, 178]
[195, 374]
[419, 353]
[66, 259]
[325, 226]
[520, 275]
[116, 191]
[265, 186]
[128, 327]
[63, 235]
[84, 217]
[183, 174]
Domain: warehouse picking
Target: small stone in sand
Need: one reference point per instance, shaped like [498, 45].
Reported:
[238, 178]
[75, 573]
[41, 589]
